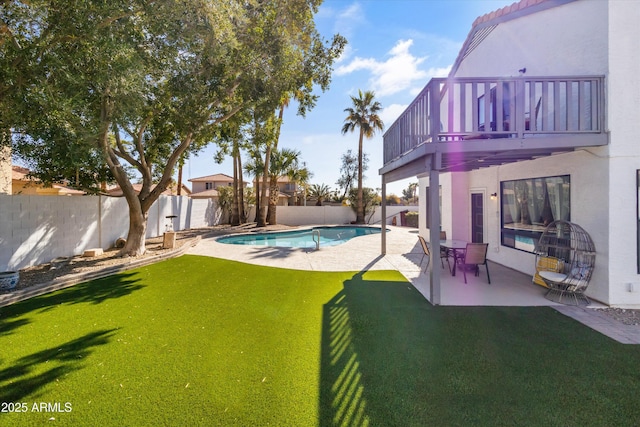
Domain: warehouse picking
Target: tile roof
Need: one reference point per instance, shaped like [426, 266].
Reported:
[19, 173]
[210, 178]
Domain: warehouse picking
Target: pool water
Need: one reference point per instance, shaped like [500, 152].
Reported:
[329, 236]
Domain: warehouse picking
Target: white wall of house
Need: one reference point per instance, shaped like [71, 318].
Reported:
[579, 38]
[565, 40]
[623, 111]
[589, 179]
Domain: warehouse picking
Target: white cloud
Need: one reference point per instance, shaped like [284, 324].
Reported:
[391, 113]
[348, 19]
[345, 55]
[399, 72]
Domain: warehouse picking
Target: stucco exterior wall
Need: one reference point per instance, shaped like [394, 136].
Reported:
[589, 187]
[579, 38]
[565, 40]
[623, 114]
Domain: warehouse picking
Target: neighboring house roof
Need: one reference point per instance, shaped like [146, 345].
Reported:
[214, 193]
[171, 190]
[19, 173]
[483, 25]
[218, 177]
[19, 177]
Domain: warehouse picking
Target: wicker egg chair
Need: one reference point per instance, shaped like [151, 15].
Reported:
[565, 258]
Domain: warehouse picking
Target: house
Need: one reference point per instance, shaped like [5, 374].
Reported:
[211, 182]
[22, 184]
[290, 193]
[535, 122]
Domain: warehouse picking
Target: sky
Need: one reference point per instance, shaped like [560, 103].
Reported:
[394, 48]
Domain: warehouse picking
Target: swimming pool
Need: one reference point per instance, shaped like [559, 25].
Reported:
[329, 236]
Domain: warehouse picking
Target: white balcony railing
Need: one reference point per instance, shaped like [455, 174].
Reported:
[462, 109]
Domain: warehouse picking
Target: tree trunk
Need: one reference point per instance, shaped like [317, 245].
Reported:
[360, 207]
[274, 192]
[262, 215]
[5, 165]
[235, 211]
[136, 238]
[179, 191]
[257, 199]
[241, 211]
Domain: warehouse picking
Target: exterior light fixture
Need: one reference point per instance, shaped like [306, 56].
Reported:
[494, 196]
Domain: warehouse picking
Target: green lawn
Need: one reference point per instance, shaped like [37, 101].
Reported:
[203, 341]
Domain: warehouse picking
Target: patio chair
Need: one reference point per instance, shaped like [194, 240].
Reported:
[444, 252]
[576, 252]
[474, 256]
[427, 253]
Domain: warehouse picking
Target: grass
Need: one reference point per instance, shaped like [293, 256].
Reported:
[203, 341]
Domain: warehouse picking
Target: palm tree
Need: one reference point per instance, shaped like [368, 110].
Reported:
[255, 168]
[363, 115]
[320, 192]
[282, 163]
[301, 177]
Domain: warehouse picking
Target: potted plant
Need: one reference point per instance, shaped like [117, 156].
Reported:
[9, 279]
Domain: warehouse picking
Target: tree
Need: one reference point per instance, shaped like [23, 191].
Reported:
[309, 66]
[409, 193]
[364, 116]
[283, 163]
[140, 83]
[225, 203]
[349, 171]
[370, 199]
[392, 199]
[254, 167]
[320, 192]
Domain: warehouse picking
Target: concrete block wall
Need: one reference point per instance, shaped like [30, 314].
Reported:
[38, 229]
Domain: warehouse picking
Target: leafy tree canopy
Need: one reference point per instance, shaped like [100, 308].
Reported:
[137, 84]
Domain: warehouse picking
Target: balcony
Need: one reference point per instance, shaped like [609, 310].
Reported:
[479, 122]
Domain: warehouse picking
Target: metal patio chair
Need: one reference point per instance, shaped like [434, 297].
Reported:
[474, 256]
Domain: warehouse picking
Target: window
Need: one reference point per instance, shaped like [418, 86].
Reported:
[529, 205]
[208, 185]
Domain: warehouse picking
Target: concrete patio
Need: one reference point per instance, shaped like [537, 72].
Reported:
[507, 288]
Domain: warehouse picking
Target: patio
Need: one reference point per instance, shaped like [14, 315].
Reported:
[508, 287]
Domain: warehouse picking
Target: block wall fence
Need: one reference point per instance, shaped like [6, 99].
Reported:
[37, 229]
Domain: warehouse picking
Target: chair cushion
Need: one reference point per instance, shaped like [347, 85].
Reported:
[552, 276]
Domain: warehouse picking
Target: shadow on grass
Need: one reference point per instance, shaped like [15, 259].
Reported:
[33, 372]
[91, 292]
[390, 358]
[367, 356]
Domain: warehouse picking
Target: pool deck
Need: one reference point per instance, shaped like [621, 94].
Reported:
[404, 254]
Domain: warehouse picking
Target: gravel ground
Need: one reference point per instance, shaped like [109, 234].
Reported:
[61, 267]
[626, 316]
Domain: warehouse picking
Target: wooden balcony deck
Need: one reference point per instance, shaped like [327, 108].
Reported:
[480, 122]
